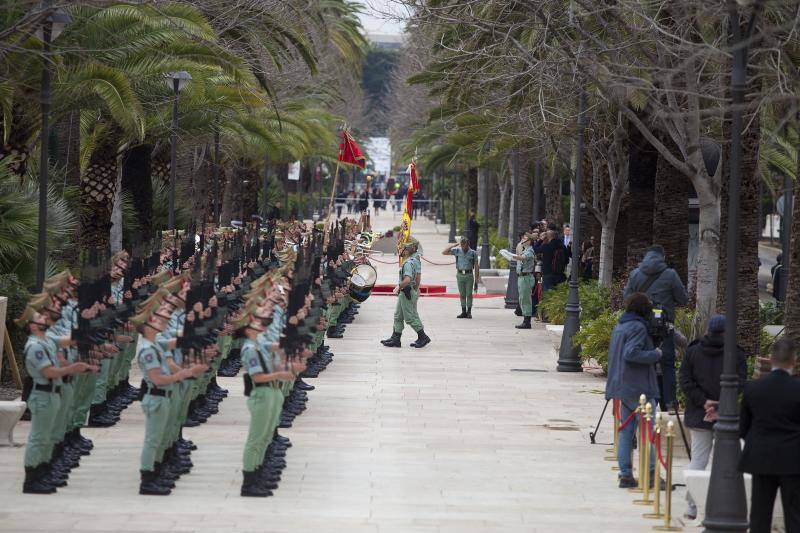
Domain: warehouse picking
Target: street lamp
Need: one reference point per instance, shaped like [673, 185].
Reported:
[726, 503]
[175, 81]
[512, 291]
[51, 28]
[452, 235]
[568, 355]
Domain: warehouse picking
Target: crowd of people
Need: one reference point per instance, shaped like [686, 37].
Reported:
[185, 308]
[642, 361]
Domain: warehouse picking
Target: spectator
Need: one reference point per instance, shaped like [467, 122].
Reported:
[554, 259]
[472, 231]
[351, 202]
[699, 379]
[632, 359]
[567, 235]
[587, 259]
[777, 273]
[770, 427]
[664, 288]
[363, 203]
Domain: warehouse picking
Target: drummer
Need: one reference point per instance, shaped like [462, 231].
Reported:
[467, 273]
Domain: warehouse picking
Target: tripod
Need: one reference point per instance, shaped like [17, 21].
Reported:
[593, 434]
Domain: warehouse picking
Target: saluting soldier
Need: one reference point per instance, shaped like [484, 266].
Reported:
[467, 273]
[44, 402]
[525, 279]
[406, 308]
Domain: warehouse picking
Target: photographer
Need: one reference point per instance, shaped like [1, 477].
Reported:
[554, 259]
[632, 359]
[664, 288]
[700, 381]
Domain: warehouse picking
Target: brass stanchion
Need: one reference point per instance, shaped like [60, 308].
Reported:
[657, 477]
[639, 413]
[645, 473]
[668, 499]
[613, 450]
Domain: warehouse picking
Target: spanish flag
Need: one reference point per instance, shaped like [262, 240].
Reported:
[405, 227]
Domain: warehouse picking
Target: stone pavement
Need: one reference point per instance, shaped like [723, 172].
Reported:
[476, 432]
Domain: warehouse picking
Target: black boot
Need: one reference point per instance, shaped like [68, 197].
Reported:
[518, 311]
[526, 323]
[334, 333]
[99, 417]
[463, 312]
[469, 312]
[250, 486]
[422, 340]
[34, 482]
[149, 486]
[302, 385]
[393, 341]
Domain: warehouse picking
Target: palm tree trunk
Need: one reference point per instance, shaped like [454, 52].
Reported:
[503, 211]
[226, 210]
[116, 213]
[136, 179]
[98, 188]
[671, 217]
[643, 163]
[791, 312]
[552, 195]
[525, 191]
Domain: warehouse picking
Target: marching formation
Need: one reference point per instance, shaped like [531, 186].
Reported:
[187, 307]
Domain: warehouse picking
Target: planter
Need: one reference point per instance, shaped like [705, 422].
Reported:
[495, 284]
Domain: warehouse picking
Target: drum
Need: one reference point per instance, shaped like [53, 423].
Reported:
[362, 280]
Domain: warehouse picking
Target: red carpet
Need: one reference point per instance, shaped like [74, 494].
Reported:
[424, 290]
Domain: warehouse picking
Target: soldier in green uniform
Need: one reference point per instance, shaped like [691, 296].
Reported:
[44, 402]
[157, 381]
[467, 273]
[525, 279]
[407, 291]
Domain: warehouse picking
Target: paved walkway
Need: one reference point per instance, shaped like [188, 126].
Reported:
[449, 438]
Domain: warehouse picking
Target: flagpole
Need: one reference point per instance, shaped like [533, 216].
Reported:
[333, 192]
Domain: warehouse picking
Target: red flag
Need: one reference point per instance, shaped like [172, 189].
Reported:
[412, 169]
[349, 152]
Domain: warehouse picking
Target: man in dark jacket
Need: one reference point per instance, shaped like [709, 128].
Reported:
[555, 257]
[665, 288]
[770, 427]
[699, 379]
[631, 373]
[473, 228]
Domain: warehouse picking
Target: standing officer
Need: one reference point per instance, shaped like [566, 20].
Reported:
[466, 265]
[405, 311]
[525, 279]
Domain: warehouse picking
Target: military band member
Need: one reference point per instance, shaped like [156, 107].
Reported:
[407, 291]
[468, 274]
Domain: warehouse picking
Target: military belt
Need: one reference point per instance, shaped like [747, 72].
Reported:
[265, 384]
[47, 388]
[155, 391]
[464, 271]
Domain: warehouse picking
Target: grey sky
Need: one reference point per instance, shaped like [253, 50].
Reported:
[375, 19]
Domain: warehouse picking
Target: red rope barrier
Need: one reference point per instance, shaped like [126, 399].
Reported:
[627, 420]
[656, 441]
[437, 264]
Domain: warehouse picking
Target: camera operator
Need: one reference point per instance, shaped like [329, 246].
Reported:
[632, 358]
[664, 288]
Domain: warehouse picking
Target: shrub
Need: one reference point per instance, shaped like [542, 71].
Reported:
[17, 295]
[594, 338]
[771, 313]
[594, 301]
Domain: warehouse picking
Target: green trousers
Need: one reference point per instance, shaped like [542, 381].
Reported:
[525, 288]
[100, 385]
[84, 392]
[65, 412]
[264, 405]
[465, 284]
[156, 412]
[44, 407]
[405, 312]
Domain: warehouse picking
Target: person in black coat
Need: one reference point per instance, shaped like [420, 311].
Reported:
[700, 381]
[770, 426]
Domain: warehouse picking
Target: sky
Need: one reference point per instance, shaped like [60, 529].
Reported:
[374, 18]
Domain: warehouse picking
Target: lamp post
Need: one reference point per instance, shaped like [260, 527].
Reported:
[512, 291]
[786, 236]
[485, 263]
[175, 81]
[265, 185]
[568, 355]
[726, 503]
[215, 174]
[451, 237]
[49, 31]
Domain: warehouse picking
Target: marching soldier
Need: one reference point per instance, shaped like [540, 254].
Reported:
[525, 279]
[406, 308]
[467, 273]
